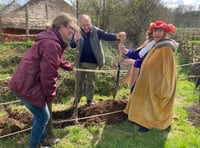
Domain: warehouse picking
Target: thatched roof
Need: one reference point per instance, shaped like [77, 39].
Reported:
[10, 7]
[39, 13]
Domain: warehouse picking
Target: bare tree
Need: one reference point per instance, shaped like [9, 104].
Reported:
[138, 14]
[131, 16]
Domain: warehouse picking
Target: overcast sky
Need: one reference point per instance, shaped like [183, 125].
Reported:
[169, 3]
[182, 1]
[175, 3]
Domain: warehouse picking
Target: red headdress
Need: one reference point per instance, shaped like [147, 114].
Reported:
[169, 28]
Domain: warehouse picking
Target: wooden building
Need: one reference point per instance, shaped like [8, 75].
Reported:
[30, 18]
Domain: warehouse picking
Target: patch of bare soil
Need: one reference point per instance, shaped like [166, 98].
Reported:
[108, 111]
[194, 114]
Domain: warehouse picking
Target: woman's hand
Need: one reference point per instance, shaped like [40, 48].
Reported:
[123, 49]
[127, 62]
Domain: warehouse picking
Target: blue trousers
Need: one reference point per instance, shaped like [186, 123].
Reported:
[41, 117]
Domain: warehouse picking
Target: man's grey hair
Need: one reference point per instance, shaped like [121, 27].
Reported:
[85, 16]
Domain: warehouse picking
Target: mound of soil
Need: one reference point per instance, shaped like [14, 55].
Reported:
[194, 114]
[196, 71]
[110, 112]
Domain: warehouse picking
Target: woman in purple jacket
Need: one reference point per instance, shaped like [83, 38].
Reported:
[34, 81]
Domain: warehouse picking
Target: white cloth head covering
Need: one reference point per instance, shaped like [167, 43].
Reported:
[147, 48]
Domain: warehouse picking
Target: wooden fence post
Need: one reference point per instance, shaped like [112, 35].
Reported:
[27, 21]
[1, 35]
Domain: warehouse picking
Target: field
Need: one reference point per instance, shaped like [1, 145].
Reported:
[103, 125]
[115, 131]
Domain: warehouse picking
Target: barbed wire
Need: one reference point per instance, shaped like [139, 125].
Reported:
[14, 133]
[97, 71]
[189, 76]
[17, 35]
[188, 64]
[109, 70]
[83, 118]
[61, 81]
[63, 121]
[93, 116]
[10, 102]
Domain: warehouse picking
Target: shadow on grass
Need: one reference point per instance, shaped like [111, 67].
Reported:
[125, 135]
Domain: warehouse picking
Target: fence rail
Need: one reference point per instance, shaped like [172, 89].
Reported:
[17, 37]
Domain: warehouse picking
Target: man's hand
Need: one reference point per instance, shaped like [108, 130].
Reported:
[121, 36]
[77, 37]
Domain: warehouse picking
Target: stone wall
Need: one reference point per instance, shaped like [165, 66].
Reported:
[39, 13]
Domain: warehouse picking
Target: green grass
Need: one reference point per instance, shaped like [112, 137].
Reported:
[2, 113]
[27, 44]
[195, 41]
[3, 76]
[125, 135]
[183, 133]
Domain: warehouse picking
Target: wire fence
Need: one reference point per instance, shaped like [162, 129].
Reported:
[63, 121]
[111, 71]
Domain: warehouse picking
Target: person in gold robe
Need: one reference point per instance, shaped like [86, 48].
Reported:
[151, 101]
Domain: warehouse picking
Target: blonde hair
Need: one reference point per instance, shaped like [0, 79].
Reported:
[63, 19]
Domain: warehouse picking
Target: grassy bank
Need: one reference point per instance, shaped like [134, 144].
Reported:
[183, 133]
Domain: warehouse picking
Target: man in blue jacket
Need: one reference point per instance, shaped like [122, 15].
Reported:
[90, 55]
